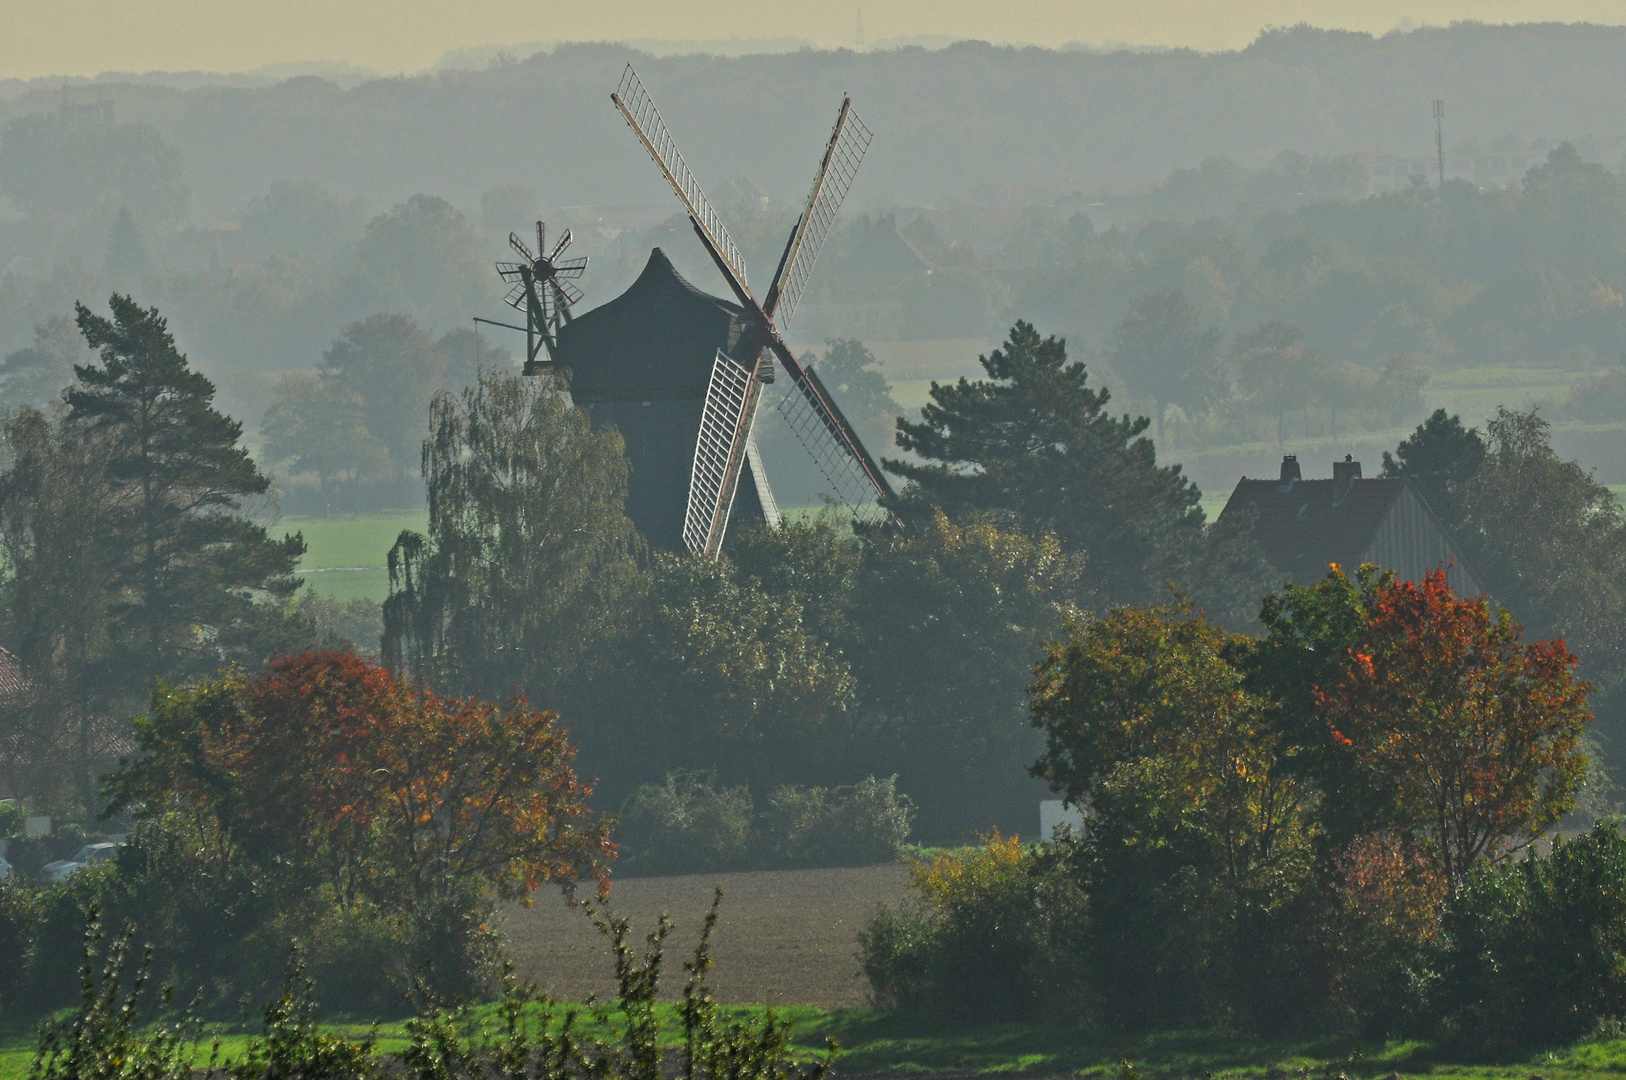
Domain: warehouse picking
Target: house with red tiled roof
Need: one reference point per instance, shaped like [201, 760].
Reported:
[1305, 526]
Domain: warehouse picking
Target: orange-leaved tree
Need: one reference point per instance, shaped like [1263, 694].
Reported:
[329, 770]
[1478, 732]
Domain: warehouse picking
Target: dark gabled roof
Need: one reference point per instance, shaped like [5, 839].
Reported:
[656, 340]
[1304, 525]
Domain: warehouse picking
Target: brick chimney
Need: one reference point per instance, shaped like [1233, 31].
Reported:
[1290, 471]
[1344, 475]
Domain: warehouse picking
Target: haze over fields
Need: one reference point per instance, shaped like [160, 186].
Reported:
[250, 196]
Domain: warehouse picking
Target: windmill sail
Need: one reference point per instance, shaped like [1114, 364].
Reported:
[722, 441]
[829, 440]
[639, 110]
[759, 474]
[842, 155]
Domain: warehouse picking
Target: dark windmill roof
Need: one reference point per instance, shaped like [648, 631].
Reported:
[656, 340]
[1305, 525]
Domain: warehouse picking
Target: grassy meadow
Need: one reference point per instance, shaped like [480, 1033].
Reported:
[345, 554]
[876, 1044]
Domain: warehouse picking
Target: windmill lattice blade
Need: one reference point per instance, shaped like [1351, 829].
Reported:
[541, 238]
[508, 271]
[570, 268]
[706, 519]
[842, 155]
[759, 476]
[564, 242]
[820, 435]
[516, 297]
[520, 249]
[639, 110]
[569, 295]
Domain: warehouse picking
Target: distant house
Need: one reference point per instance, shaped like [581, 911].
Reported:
[1306, 525]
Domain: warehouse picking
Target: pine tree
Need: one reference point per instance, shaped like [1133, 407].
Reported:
[187, 565]
[1034, 445]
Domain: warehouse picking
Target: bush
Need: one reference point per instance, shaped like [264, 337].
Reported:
[1378, 932]
[998, 936]
[216, 931]
[860, 825]
[13, 818]
[19, 921]
[688, 823]
[1537, 948]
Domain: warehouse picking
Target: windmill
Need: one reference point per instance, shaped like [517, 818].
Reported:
[724, 445]
[542, 289]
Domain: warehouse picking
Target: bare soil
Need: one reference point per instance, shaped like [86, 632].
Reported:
[783, 937]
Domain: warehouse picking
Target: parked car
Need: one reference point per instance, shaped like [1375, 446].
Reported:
[57, 872]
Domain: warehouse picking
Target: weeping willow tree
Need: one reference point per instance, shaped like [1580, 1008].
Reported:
[529, 558]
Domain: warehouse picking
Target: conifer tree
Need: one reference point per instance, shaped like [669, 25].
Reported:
[1033, 444]
[186, 565]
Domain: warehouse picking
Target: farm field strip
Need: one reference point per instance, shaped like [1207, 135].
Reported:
[345, 555]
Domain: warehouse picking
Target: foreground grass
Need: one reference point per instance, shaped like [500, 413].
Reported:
[879, 1044]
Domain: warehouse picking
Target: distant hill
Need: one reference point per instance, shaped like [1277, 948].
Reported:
[970, 122]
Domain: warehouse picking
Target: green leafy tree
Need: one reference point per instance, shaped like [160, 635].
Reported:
[466, 353]
[187, 566]
[851, 372]
[422, 258]
[301, 219]
[51, 165]
[35, 377]
[126, 251]
[1545, 537]
[1034, 444]
[391, 367]
[944, 624]
[1440, 458]
[58, 539]
[319, 426]
[714, 672]
[1198, 840]
[1277, 366]
[1162, 350]
[529, 561]
[1309, 632]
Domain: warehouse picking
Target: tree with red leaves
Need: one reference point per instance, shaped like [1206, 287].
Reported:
[1477, 731]
[329, 770]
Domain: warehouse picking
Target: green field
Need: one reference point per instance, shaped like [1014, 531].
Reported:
[345, 555]
[880, 1044]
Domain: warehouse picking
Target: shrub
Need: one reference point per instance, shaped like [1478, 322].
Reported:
[1537, 947]
[19, 919]
[859, 825]
[113, 1035]
[998, 934]
[13, 817]
[1379, 933]
[685, 824]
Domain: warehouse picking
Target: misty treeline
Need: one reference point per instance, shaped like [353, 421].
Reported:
[263, 270]
[812, 655]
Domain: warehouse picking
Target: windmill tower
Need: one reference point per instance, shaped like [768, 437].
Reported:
[688, 405]
[542, 289]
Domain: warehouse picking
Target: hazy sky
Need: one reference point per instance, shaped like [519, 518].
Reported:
[84, 37]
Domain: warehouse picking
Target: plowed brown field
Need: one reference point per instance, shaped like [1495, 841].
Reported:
[783, 937]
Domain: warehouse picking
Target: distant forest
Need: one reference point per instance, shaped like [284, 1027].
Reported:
[969, 123]
[1292, 182]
